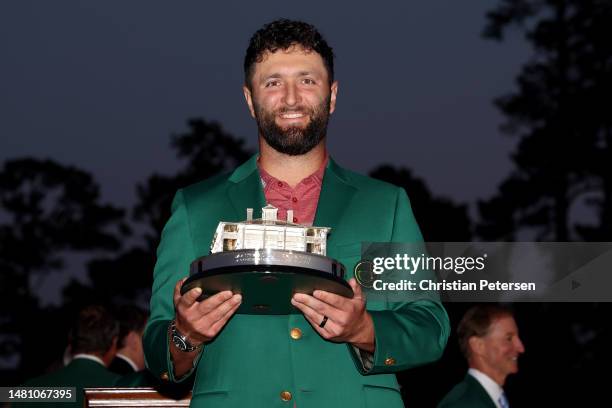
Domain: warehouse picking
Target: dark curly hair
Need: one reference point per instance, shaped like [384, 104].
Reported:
[281, 35]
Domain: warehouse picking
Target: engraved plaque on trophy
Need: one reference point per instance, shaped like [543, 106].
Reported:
[267, 260]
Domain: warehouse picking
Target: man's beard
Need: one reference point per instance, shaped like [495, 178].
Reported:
[293, 140]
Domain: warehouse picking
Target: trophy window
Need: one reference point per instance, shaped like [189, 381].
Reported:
[314, 248]
[230, 228]
[229, 244]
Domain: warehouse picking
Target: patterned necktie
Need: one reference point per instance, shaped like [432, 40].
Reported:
[503, 401]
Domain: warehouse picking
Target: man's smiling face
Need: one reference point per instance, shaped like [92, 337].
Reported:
[291, 98]
[502, 346]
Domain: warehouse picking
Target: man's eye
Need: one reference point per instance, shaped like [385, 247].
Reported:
[309, 81]
[272, 83]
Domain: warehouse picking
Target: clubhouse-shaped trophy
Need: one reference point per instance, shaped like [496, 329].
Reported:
[267, 260]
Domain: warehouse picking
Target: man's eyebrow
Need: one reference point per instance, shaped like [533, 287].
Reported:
[276, 75]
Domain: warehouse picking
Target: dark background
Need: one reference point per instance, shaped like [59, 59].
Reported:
[495, 117]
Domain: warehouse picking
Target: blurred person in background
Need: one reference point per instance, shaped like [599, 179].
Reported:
[93, 342]
[489, 340]
[130, 355]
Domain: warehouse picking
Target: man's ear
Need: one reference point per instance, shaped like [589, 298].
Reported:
[249, 99]
[476, 345]
[332, 98]
[131, 337]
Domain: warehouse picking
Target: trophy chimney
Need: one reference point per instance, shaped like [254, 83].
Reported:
[269, 214]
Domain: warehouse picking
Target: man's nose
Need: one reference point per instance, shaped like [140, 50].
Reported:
[519, 345]
[292, 95]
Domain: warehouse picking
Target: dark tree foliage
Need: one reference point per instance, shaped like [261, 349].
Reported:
[46, 209]
[207, 150]
[439, 218]
[57, 207]
[560, 114]
[124, 278]
[50, 209]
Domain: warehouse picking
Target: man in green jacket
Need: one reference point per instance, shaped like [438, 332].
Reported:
[337, 352]
[93, 340]
[489, 340]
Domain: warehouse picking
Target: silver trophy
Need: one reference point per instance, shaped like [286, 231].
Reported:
[267, 260]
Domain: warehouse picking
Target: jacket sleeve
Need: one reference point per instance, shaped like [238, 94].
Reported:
[174, 255]
[407, 333]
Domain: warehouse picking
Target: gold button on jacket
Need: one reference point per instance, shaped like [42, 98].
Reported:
[295, 333]
[164, 376]
[285, 395]
[389, 361]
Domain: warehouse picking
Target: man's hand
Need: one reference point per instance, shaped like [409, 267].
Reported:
[201, 321]
[347, 319]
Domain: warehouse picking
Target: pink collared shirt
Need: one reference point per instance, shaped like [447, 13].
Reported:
[302, 199]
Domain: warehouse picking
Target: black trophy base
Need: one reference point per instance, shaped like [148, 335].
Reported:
[265, 279]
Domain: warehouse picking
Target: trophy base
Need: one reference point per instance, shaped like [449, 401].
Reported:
[266, 279]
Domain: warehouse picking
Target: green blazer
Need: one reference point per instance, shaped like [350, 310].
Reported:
[80, 373]
[467, 394]
[254, 358]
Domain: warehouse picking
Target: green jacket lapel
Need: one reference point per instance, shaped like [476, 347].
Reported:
[336, 194]
[245, 190]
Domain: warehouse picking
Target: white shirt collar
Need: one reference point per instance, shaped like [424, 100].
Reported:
[491, 387]
[128, 360]
[89, 357]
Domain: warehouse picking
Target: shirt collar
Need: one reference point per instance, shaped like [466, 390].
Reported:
[491, 387]
[127, 360]
[316, 177]
[89, 357]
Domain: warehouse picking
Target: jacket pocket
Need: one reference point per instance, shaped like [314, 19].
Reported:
[382, 396]
[209, 398]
